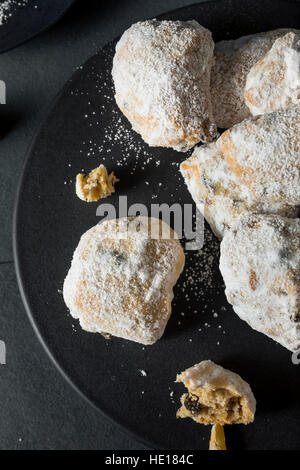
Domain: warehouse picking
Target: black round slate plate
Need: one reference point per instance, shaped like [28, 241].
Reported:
[29, 19]
[83, 129]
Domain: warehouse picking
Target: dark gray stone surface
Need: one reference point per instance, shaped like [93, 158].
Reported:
[39, 410]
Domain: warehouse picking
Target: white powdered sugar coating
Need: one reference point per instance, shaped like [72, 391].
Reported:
[218, 193]
[264, 153]
[260, 264]
[274, 82]
[233, 61]
[161, 72]
[121, 278]
[207, 374]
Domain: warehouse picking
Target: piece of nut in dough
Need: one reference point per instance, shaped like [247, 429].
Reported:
[217, 438]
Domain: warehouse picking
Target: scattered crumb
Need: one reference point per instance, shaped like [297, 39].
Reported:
[96, 185]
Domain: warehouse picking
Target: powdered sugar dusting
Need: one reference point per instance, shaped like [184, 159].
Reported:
[117, 138]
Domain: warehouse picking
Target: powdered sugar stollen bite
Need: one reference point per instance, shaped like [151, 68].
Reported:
[263, 152]
[233, 61]
[161, 72]
[260, 264]
[121, 278]
[274, 82]
[218, 193]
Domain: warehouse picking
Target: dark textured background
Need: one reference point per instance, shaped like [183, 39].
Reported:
[39, 410]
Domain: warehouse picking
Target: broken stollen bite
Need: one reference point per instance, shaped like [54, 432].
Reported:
[215, 396]
[161, 72]
[121, 278]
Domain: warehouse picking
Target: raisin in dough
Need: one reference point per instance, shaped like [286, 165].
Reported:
[215, 396]
[264, 153]
[260, 264]
[161, 72]
[218, 193]
[233, 61]
[274, 82]
[120, 281]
